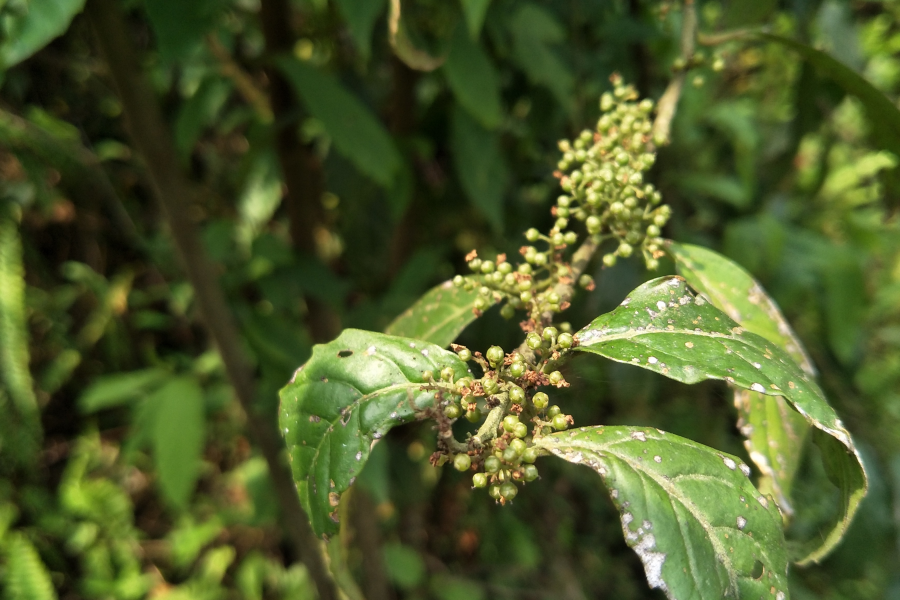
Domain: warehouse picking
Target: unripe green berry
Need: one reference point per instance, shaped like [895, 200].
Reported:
[505, 268]
[516, 370]
[530, 472]
[509, 279]
[609, 259]
[563, 201]
[555, 377]
[540, 400]
[507, 312]
[491, 464]
[530, 455]
[452, 411]
[462, 462]
[464, 354]
[561, 223]
[526, 296]
[494, 355]
[473, 416]
[494, 491]
[566, 327]
[487, 266]
[552, 298]
[550, 333]
[490, 385]
[652, 231]
[616, 208]
[475, 264]
[525, 269]
[510, 422]
[511, 456]
[593, 224]
[532, 235]
[459, 280]
[521, 430]
[570, 237]
[625, 250]
[585, 281]
[533, 340]
[516, 394]
[508, 490]
[540, 259]
[560, 423]
[518, 445]
[652, 264]
[525, 284]
[479, 480]
[447, 373]
[558, 239]
[495, 277]
[427, 376]
[482, 303]
[565, 340]
[553, 411]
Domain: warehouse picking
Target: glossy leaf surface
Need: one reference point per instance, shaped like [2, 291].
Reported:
[774, 433]
[438, 317]
[663, 326]
[350, 393]
[690, 512]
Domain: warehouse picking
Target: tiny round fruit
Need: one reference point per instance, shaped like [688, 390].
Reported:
[526, 296]
[524, 285]
[462, 462]
[540, 400]
[479, 480]
[494, 491]
[521, 430]
[516, 394]
[494, 354]
[507, 312]
[473, 416]
[565, 340]
[487, 266]
[464, 354]
[482, 303]
[510, 422]
[518, 446]
[550, 333]
[530, 472]
[560, 422]
[452, 411]
[510, 455]
[585, 281]
[491, 464]
[553, 298]
[532, 235]
[475, 264]
[555, 377]
[517, 369]
[593, 224]
[508, 490]
[490, 385]
[458, 281]
[447, 373]
[533, 340]
[553, 411]
[530, 455]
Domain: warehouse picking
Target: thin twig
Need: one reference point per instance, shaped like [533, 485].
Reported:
[244, 84]
[665, 109]
[152, 139]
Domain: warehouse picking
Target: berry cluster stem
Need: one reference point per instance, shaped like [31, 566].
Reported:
[488, 429]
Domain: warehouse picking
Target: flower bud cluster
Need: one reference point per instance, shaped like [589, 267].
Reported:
[602, 173]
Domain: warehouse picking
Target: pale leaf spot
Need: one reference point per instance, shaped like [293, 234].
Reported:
[756, 387]
[729, 463]
[639, 435]
[741, 522]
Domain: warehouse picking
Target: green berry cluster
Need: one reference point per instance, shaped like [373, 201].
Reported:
[602, 172]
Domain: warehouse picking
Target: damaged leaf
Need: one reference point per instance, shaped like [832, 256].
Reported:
[350, 393]
[690, 512]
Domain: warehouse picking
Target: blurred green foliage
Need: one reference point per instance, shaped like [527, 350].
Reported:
[125, 465]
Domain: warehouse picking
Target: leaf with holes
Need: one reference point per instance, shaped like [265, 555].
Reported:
[348, 395]
[665, 327]
[437, 317]
[690, 512]
[774, 432]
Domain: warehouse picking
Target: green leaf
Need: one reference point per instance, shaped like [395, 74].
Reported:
[41, 22]
[664, 327]
[199, 111]
[479, 166]
[474, 80]
[180, 26]
[26, 577]
[117, 389]
[690, 512]
[356, 133]
[437, 317]
[350, 393]
[774, 432]
[178, 435]
[404, 566]
[533, 30]
[360, 16]
[474, 12]
[882, 113]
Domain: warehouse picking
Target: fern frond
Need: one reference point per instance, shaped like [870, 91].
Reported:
[26, 577]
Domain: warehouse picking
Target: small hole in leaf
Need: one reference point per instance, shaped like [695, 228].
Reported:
[758, 570]
[345, 353]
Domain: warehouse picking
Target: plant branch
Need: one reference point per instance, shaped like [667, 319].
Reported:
[244, 84]
[152, 139]
[665, 109]
[488, 429]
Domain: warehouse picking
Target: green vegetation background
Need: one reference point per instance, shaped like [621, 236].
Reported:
[339, 168]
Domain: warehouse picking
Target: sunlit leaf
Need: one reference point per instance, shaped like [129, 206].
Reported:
[350, 393]
[117, 389]
[479, 166]
[664, 327]
[689, 512]
[437, 317]
[177, 437]
[25, 575]
[473, 79]
[37, 26]
[774, 432]
[355, 131]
